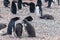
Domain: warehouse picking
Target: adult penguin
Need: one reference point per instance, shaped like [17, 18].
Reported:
[11, 26]
[29, 28]
[49, 3]
[13, 8]
[39, 4]
[47, 17]
[32, 7]
[19, 29]
[19, 4]
[6, 3]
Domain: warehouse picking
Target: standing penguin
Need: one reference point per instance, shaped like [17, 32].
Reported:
[11, 26]
[19, 29]
[32, 7]
[29, 28]
[6, 3]
[13, 8]
[49, 3]
[19, 4]
[39, 4]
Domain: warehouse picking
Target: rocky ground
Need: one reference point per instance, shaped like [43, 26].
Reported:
[45, 29]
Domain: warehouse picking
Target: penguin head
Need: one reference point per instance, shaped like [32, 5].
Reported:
[29, 18]
[13, 2]
[15, 18]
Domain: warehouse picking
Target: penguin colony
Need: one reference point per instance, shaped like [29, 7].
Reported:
[18, 29]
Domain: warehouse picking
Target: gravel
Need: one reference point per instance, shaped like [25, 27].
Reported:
[45, 29]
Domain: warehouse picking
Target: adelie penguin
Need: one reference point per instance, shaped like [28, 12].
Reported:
[19, 4]
[11, 26]
[6, 3]
[13, 8]
[47, 17]
[32, 7]
[19, 30]
[29, 28]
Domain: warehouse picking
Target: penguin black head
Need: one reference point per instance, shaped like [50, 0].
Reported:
[15, 18]
[13, 2]
[29, 18]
